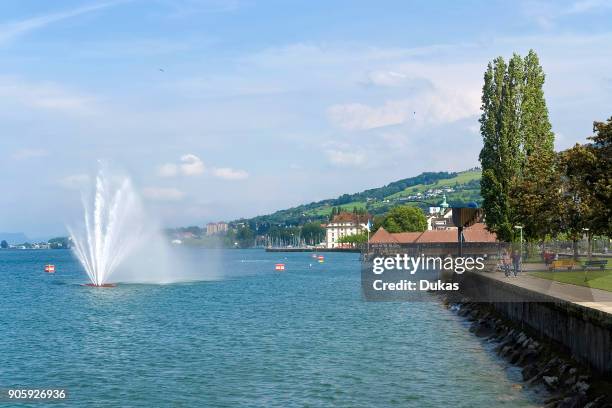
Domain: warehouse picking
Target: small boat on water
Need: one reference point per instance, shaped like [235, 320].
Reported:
[50, 268]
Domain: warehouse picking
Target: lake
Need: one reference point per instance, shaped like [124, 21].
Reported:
[252, 337]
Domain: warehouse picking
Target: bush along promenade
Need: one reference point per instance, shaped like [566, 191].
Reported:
[547, 370]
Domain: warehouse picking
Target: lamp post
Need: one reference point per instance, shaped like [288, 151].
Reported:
[520, 228]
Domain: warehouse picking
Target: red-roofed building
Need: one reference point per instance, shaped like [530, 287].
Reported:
[477, 233]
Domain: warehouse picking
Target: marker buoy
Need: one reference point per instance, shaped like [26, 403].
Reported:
[50, 268]
[321, 258]
[279, 267]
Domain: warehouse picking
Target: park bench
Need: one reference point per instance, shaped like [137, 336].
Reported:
[562, 263]
[601, 264]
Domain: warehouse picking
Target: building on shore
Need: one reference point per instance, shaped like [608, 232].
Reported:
[216, 228]
[345, 224]
[477, 233]
[441, 217]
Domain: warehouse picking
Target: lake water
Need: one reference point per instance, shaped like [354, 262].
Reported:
[256, 337]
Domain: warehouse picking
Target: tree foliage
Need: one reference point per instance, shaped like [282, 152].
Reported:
[354, 239]
[517, 157]
[245, 237]
[586, 172]
[313, 233]
[405, 219]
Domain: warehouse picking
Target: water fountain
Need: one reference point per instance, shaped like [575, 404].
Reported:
[114, 226]
[119, 241]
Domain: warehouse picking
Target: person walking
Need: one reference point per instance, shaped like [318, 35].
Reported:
[506, 263]
[516, 262]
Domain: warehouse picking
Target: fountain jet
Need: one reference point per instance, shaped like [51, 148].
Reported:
[114, 226]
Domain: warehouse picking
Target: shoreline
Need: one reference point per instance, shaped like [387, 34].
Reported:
[543, 362]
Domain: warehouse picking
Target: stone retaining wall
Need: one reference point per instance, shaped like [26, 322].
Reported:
[586, 333]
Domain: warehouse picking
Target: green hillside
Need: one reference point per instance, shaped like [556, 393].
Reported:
[424, 190]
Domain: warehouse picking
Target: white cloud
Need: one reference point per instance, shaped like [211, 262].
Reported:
[228, 173]
[345, 158]
[163, 193]
[431, 107]
[191, 165]
[168, 170]
[357, 116]
[74, 181]
[10, 31]
[44, 95]
[29, 154]
[394, 79]
[386, 78]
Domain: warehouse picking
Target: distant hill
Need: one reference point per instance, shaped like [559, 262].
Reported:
[13, 237]
[424, 190]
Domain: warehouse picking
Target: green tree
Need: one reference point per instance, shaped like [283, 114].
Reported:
[493, 185]
[537, 199]
[354, 239]
[517, 156]
[377, 223]
[313, 233]
[59, 243]
[577, 200]
[510, 122]
[245, 237]
[537, 135]
[405, 219]
[535, 192]
[600, 178]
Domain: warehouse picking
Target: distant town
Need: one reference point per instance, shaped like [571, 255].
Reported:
[53, 243]
[343, 230]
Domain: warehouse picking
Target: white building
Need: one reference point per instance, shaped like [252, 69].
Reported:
[216, 228]
[440, 218]
[344, 224]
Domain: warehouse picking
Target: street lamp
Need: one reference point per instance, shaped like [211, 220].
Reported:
[520, 228]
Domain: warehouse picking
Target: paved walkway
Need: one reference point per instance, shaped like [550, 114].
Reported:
[584, 296]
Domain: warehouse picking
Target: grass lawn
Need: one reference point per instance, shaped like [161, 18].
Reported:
[596, 278]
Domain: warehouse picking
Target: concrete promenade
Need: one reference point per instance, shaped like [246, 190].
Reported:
[582, 295]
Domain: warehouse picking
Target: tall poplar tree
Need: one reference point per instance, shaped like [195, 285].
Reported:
[517, 157]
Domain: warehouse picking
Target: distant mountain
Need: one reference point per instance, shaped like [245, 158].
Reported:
[423, 191]
[13, 237]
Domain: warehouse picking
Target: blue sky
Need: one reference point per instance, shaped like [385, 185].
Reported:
[228, 108]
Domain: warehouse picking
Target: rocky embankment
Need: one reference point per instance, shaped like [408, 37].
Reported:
[570, 385]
